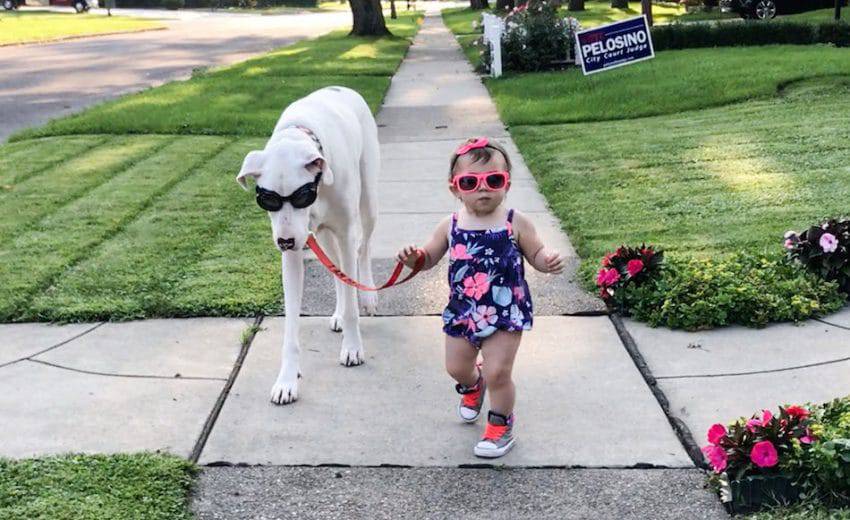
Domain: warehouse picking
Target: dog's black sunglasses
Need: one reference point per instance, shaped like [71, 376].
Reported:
[300, 198]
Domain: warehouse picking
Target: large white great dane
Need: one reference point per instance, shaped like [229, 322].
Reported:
[319, 172]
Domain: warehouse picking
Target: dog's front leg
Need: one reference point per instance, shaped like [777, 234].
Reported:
[352, 344]
[285, 389]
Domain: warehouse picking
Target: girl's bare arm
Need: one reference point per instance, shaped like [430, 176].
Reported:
[434, 249]
[542, 258]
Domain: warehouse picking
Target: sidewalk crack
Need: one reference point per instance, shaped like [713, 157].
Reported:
[52, 347]
[175, 377]
[756, 372]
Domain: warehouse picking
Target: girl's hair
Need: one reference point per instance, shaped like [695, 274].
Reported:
[482, 154]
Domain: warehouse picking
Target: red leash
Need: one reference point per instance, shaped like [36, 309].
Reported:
[323, 258]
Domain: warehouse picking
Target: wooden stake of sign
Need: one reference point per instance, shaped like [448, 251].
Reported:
[837, 10]
[646, 8]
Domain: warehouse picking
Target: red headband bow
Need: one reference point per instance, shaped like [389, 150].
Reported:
[481, 142]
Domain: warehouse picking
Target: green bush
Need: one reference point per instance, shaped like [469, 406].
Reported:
[173, 4]
[746, 33]
[740, 289]
[823, 470]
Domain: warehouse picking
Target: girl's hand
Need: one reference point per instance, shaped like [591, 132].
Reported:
[553, 262]
[408, 255]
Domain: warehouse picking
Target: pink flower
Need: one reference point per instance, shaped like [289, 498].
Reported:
[806, 439]
[789, 244]
[484, 315]
[476, 285]
[607, 277]
[764, 454]
[459, 252]
[606, 260]
[752, 424]
[600, 277]
[716, 456]
[766, 417]
[715, 433]
[634, 267]
[828, 242]
[797, 411]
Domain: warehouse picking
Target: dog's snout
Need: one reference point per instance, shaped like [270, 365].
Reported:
[286, 243]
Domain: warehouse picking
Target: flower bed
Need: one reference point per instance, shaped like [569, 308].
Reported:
[744, 289]
[801, 453]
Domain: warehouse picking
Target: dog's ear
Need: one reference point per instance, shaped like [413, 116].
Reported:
[319, 164]
[252, 166]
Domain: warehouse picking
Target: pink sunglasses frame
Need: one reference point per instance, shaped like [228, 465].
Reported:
[480, 177]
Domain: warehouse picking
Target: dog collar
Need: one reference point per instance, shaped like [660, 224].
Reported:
[311, 135]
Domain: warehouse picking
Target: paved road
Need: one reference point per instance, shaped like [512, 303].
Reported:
[43, 81]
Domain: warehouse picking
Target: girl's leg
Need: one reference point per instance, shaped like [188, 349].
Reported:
[499, 352]
[460, 360]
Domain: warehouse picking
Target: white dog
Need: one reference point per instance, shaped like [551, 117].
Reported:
[319, 172]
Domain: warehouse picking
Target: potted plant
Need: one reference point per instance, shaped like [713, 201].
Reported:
[746, 458]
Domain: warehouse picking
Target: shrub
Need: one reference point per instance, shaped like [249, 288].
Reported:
[751, 32]
[824, 250]
[535, 38]
[173, 4]
[822, 470]
[740, 289]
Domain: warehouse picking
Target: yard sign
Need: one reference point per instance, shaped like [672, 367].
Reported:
[614, 45]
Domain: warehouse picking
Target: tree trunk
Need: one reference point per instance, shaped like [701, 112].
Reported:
[368, 18]
[504, 5]
[576, 5]
[646, 9]
[479, 4]
[393, 14]
[620, 4]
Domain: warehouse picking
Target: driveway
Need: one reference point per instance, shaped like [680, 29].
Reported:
[44, 81]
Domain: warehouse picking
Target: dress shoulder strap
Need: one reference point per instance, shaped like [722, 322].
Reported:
[452, 228]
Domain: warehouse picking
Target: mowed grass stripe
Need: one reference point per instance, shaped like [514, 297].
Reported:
[70, 234]
[36, 198]
[131, 275]
[238, 276]
[737, 179]
[26, 159]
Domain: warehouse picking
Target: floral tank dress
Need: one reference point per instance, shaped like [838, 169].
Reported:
[487, 280]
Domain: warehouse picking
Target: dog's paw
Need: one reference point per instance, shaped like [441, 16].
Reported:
[285, 392]
[336, 323]
[352, 357]
[368, 303]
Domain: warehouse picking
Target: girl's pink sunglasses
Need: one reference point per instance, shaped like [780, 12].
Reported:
[467, 182]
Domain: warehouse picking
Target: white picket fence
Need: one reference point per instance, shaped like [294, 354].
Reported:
[494, 26]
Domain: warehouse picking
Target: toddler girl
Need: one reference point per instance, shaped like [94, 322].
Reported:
[489, 304]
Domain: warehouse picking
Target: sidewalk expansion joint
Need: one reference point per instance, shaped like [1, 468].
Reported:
[175, 377]
[756, 372]
[836, 325]
[681, 430]
[52, 347]
[483, 465]
[219, 404]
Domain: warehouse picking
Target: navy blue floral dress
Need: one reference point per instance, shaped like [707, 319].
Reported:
[487, 281]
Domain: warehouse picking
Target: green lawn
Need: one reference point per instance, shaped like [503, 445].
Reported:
[144, 485]
[701, 151]
[39, 26]
[818, 15]
[673, 82]
[131, 210]
[802, 512]
[703, 182]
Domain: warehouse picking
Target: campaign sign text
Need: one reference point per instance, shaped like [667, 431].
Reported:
[614, 45]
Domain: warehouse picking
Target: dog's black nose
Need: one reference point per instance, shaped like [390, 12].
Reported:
[286, 243]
